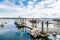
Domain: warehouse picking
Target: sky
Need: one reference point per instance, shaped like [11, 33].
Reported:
[30, 8]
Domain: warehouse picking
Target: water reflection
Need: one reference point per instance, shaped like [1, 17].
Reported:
[10, 32]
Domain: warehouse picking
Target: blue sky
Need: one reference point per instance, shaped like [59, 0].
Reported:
[25, 2]
[30, 8]
[1, 0]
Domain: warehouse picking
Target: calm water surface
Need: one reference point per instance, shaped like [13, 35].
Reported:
[10, 32]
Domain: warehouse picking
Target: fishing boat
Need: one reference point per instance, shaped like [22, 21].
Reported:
[38, 33]
[35, 33]
[19, 23]
[54, 34]
[44, 34]
[2, 24]
[33, 20]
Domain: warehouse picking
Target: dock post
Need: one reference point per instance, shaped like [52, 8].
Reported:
[25, 23]
[47, 26]
[42, 26]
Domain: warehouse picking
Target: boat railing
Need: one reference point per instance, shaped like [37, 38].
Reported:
[52, 30]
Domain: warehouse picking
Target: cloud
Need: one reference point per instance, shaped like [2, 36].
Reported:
[42, 9]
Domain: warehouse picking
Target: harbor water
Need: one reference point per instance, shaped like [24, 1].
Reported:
[10, 32]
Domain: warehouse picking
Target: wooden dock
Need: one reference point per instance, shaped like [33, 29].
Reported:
[22, 25]
[37, 34]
